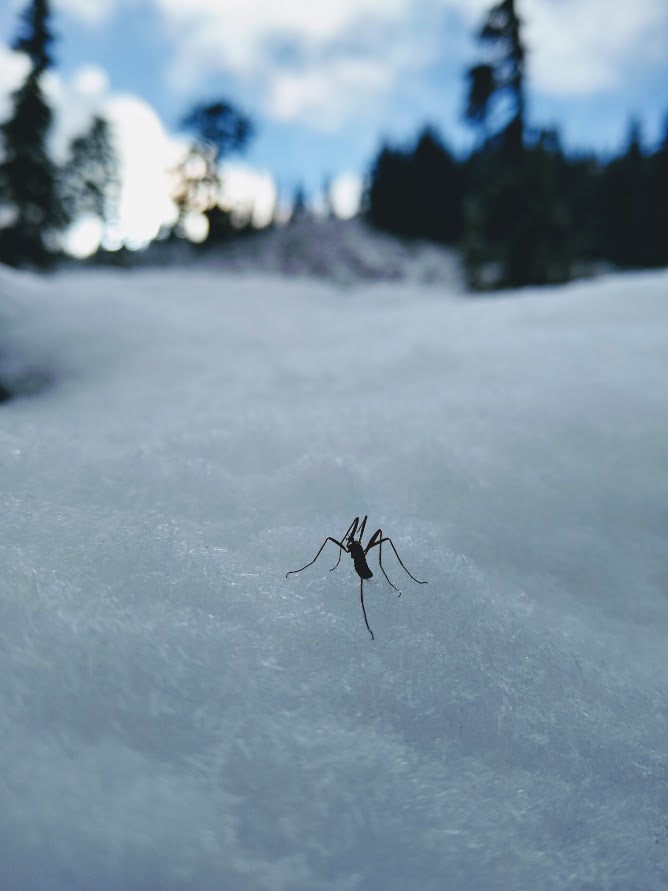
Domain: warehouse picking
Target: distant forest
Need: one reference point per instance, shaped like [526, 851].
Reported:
[519, 208]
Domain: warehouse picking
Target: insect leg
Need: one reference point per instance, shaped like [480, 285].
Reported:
[329, 538]
[377, 540]
[400, 560]
[349, 531]
[366, 621]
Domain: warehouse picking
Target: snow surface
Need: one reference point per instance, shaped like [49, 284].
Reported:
[346, 252]
[175, 713]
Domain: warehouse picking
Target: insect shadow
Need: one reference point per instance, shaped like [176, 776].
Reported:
[353, 546]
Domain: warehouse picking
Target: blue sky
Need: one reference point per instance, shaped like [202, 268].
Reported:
[326, 81]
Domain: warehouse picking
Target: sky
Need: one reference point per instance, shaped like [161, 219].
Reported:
[326, 82]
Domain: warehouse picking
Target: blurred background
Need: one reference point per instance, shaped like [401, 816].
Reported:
[531, 137]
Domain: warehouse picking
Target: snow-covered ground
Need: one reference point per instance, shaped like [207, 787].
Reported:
[176, 714]
[346, 252]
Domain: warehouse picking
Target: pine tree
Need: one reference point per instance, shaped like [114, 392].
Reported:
[28, 176]
[417, 192]
[503, 77]
[90, 177]
[627, 204]
[515, 222]
[299, 204]
[657, 234]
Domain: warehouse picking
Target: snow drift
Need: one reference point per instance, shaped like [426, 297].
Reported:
[175, 713]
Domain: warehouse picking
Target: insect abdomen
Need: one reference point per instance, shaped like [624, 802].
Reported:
[362, 568]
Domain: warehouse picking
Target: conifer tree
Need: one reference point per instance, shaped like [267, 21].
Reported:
[28, 177]
[417, 192]
[90, 177]
[515, 223]
[658, 203]
[626, 203]
[503, 76]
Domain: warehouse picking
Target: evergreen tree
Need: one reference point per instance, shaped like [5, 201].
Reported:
[90, 177]
[299, 204]
[502, 78]
[657, 223]
[437, 189]
[417, 192]
[515, 222]
[28, 176]
[388, 192]
[626, 204]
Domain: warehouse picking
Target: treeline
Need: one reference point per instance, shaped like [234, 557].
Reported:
[520, 208]
[40, 199]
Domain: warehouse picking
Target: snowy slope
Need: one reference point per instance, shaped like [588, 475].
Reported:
[346, 252]
[175, 713]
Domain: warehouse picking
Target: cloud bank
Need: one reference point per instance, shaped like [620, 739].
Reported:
[325, 63]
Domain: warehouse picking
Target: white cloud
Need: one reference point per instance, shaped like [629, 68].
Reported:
[147, 155]
[252, 193]
[13, 69]
[241, 31]
[346, 195]
[145, 150]
[589, 46]
[314, 62]
[322, 95]
[75, 101]
[91, 11]
[324, 63]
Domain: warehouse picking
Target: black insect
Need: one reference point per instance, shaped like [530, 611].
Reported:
[353, 546]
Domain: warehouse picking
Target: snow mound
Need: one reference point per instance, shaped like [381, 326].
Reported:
[175, 713]
[345, 252]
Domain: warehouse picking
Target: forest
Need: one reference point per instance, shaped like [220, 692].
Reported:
[518, 207]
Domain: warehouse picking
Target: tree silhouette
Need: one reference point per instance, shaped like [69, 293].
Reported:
[35, 37]
[299, 207]
[626, 203]
[417, 192]
[516, 223]
[28, 176]
[220, 125]
[657, 222]
[502, 78]
[218, 129]
[90, 176]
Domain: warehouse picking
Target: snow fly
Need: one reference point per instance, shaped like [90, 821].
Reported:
[353, 546]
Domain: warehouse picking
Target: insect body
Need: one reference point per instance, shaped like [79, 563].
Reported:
[356, 551]
[353, 546]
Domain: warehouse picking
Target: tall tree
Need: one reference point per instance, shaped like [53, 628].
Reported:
[502, 77]
[658, 203]
[627, 202]
[515, 221]
[417, 192]
[28, 176]
[218, 129]
[90, 177]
